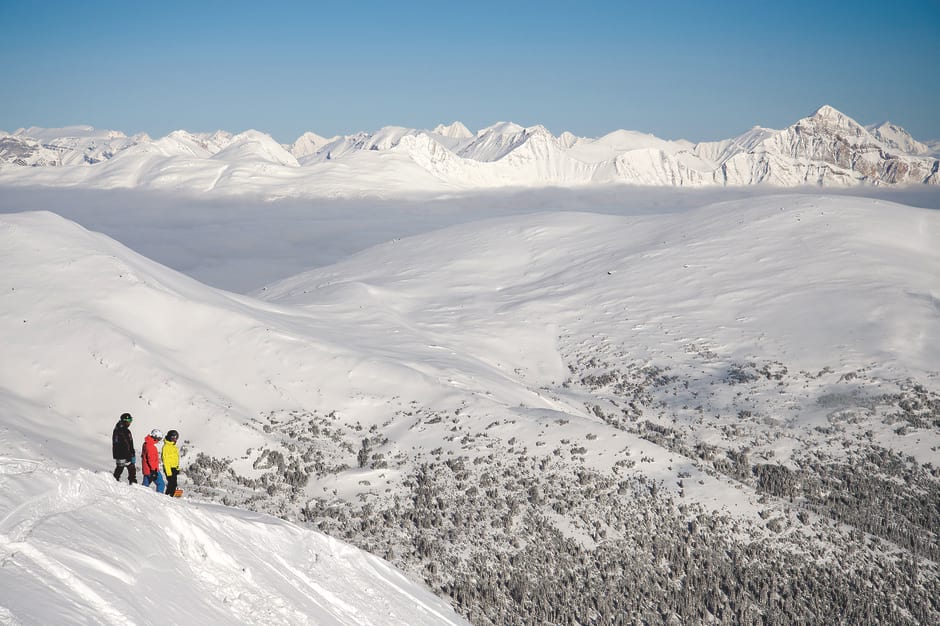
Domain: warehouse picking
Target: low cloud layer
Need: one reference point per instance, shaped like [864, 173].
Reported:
[242, 245]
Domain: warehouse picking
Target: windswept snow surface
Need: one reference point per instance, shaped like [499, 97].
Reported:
[78, 548]
[801, 278]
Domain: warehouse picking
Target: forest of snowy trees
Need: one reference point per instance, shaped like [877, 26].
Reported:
[518, 531]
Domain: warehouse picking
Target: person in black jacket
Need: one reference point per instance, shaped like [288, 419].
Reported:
[122, 449]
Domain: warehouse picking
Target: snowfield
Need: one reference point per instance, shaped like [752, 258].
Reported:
[743, 395]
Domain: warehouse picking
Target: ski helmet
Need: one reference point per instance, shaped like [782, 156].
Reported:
[156, 433]
[127, 417]
[172, 435]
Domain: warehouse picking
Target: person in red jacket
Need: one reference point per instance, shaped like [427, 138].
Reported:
[150, 460]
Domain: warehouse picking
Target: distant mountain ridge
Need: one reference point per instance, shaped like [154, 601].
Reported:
[827, 149]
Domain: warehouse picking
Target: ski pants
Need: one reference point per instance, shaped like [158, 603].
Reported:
[161, 486]
[171, 478]
[120, 464]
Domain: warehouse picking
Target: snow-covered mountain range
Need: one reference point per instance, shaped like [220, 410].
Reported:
[825, 149]
[723, 414]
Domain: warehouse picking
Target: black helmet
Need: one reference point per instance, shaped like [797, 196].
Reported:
[172, 435]
[127, 417]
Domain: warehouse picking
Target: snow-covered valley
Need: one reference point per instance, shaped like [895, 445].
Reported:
[724, 411]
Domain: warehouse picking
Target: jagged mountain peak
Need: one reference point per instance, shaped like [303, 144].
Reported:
[829, 112]
[538, 130]
[220, 137]
[183, 135]
[456, 130]
[496, 141]
[829, 116]
[513, 130]
[829, 122]
[896, 137]
[307, 144]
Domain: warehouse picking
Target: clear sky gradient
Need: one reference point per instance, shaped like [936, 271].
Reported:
[680, 69]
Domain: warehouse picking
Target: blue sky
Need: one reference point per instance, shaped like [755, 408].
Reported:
[680, 69]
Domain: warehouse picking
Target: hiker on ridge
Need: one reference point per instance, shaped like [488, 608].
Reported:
[170, 455]
[122, 449]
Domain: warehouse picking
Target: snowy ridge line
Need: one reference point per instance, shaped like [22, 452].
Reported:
[827, 148]
[92, 548]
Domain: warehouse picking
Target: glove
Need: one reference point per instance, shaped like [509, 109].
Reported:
[133, 460]
[153, 476]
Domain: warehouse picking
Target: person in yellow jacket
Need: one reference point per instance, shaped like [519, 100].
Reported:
[170, 456]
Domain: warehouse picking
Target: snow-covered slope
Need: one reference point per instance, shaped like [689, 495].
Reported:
[565, 392]
[726, 276]
[454, 136]
[184, 331]
[339, 147]
[495, 142]
[619, 142]
[255, 147]
[309, 143]
[79, 548]
[826, 149]
[898, 138]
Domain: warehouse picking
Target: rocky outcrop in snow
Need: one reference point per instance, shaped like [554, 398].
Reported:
[827, 149]
[898, 138]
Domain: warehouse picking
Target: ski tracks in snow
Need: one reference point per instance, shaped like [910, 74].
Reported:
[224, 577]
[18, 548]
[19, 522]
